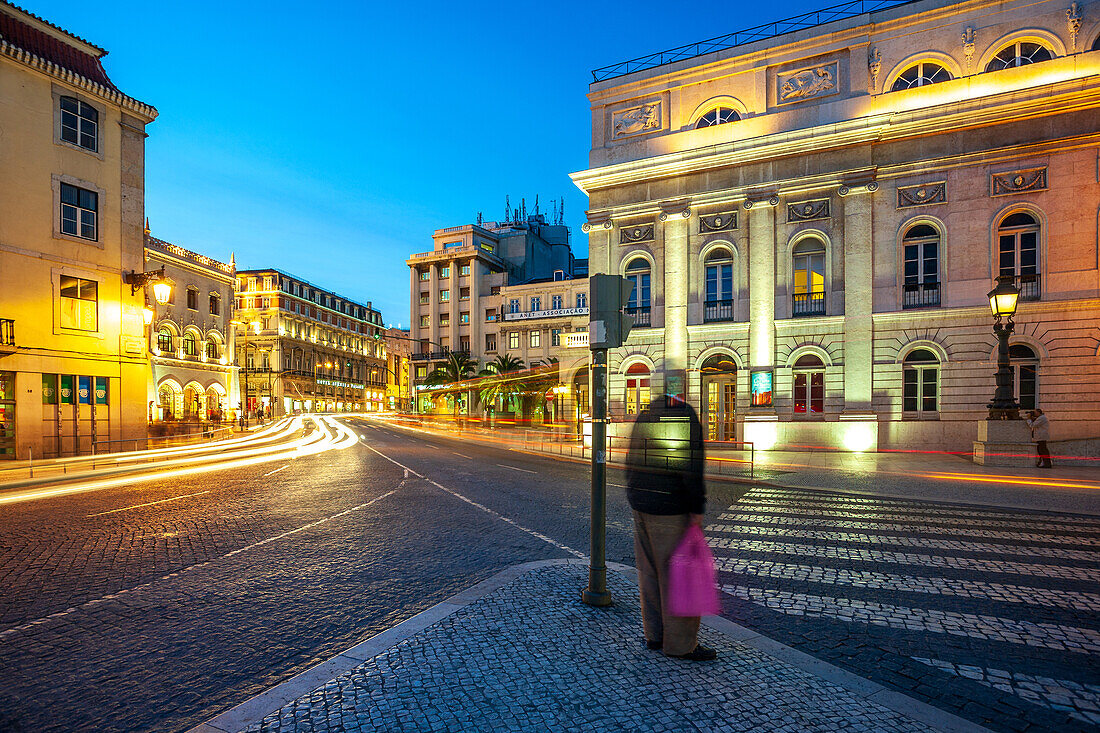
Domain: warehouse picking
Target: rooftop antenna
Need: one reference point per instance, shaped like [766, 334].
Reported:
[523, 208]
[536, 204]
[479, 218]
[561, 211]
[507, 208]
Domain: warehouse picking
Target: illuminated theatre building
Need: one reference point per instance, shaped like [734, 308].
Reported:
[301, 348]
[814, 219]
[73, 358]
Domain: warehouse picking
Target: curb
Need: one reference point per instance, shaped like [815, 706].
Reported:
[256, 708]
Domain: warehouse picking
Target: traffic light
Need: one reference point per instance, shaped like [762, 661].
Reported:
[608, 325]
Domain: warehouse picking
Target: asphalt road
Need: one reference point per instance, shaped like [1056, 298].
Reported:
[157, 606]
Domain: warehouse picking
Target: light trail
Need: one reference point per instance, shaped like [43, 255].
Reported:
[148, 503]
[272, 473]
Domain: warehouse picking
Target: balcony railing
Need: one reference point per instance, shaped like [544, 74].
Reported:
[718, 310]
[641, 315]
[808, 304]
[7, 335]
[1029, 287]
[920, 295]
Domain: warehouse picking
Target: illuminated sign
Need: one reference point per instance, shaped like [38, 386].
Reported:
[557, 313]
[761, 389]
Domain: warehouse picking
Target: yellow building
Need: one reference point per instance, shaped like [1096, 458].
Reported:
[73, 360]
[398, 369]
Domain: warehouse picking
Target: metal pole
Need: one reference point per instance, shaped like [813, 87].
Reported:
[1004, 405]
[597, 594]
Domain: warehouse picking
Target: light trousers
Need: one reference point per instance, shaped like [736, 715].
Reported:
[655, 539]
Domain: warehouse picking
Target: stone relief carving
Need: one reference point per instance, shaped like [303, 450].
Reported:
[635, 234]
[874, 65]
[636, 120]
[968, 46]
[808, 210]
[721, 222]
[922, 194]
[816, 81]
[1034, 179]
[1073, 19]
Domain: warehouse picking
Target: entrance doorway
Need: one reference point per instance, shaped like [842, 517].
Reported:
[719, 398]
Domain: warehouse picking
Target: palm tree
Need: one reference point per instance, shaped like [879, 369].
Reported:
[503, 364]
[458, 366]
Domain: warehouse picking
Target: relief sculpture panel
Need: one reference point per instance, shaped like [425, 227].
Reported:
[636, 120]
[812, 82]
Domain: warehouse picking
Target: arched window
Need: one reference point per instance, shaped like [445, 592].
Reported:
[637, 389]
[1096, 44]
[164, 339]
[1018, 253]
[1025, 375]
[719, 286]
[921, 74]
[190, 344]
[921, 252]
[808, 266]
[213, 351]
[717, 116]
[166, 400]
[1019, 53]
[719, 385]
[637, 272]
[809, 385]
[920, 383]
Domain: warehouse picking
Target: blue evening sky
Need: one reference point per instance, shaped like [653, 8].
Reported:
[330, 139]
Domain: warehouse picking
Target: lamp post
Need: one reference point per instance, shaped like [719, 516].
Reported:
[244, 347]
[1002, 301]
[316, 366]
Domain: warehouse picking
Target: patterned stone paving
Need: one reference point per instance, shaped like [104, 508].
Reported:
[530, 657]
[993, 615]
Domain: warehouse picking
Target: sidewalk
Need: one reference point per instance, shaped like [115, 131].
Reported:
[521, 652]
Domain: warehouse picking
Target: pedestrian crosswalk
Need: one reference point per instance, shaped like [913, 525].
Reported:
[991, 603]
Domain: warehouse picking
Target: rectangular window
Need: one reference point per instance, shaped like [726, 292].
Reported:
[536, 339]
[264, 303]
[464, 270]
[101, 390]
[513, 305]
[464, 344]
[421, 372]
[425, 276]
[556, 303]
[919, 389]
[582, 300]
[444, 296]
[809, 392]
[490, 315]
[425, 321]
[444, 320]
[494, 290]
[79, 209]
[79, 304]
[49, 389]
[555, 337]
[536, 304]
[425, 298]
[193, 299]
[79, 123]
[267, 283]
[444, 272]
[464, 294]
[491, 342]
[215, 305]
[513, 340]
[66, 390]
[463, 317]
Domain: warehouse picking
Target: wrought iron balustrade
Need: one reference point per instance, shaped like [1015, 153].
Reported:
[920, 295]
[1029, 287]
[808, 304]
[718, 310]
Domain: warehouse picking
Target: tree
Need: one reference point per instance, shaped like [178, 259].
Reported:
[503, 364]
[455, 369]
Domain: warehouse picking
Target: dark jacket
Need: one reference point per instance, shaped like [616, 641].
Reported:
[664, 464]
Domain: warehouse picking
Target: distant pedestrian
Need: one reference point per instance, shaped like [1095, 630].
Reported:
[1040, 433]
[665, 488]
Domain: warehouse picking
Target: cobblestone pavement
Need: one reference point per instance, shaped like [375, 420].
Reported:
[531, 657]
[988, 613]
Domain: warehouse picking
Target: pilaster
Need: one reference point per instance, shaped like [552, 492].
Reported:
[674, 218]
[858, 268]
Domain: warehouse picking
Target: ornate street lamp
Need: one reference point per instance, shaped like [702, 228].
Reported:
[1002, 301]
[162, 286]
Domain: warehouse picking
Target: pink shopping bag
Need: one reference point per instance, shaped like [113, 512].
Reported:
[692, 590]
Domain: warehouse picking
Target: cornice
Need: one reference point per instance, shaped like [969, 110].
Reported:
[951, 116]
[33, 61]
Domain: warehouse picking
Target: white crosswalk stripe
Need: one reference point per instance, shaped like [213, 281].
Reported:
[772, 507]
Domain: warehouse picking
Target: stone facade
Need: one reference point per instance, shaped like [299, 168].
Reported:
[191, 340]
[828, 245]
[73, 357]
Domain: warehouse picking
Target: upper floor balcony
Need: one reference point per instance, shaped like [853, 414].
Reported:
[808, 304]
[641, 314]
[717, 310]
[920, 295]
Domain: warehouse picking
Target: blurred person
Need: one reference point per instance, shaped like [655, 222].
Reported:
[1040, 433]
[666, 491]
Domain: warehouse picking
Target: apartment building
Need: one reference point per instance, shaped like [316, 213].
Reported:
[302, 348]
[813, 220]
[73, 356]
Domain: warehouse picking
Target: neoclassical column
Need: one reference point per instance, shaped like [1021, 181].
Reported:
[676, 285]
[598, 229]
[858, 282]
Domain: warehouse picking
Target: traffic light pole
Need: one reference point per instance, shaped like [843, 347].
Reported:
[597, 594]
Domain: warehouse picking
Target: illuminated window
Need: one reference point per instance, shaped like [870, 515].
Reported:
[921, 253]
[213, 351]
[1025, 375]
[555, 337]
[513, 340]
[719, 116]
[444, 296]
[425, 321]
[637, 272]
[1020, 53]
[919, 75]
[445, 271]
[425, 276]
[444, 319]
[215, 305]
[809, 385]
[808, 265]
[79, 210]
[164, 339]
[920, 383]
[464, 270]
[637, 389]
[79, 123]
[1018, 253]
[491, 342]
[464, 317]
[718, 280]
[190, 344]
[536, 339]
[79, 303]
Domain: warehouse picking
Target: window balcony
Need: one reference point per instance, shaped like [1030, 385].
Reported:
[920, 295]
[717, 310]
[641, 316]
[1029, 287]
[808, 304]
[7, 336]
